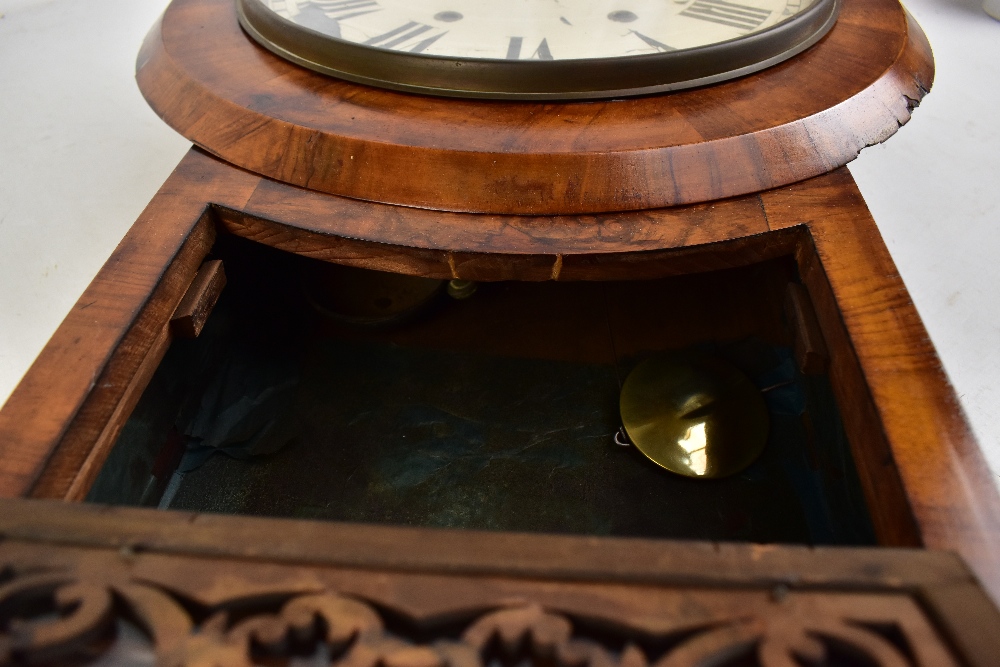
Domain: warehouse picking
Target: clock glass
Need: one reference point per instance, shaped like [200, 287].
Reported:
[537, 48]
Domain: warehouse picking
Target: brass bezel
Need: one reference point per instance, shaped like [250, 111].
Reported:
[584, 78]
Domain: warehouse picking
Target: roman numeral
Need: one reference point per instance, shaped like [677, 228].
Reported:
[727, 13]
[541, 53]
[339, 10]
[791, 7]
[324, 15]
[410, 37]
[659, 46]
[315, 18]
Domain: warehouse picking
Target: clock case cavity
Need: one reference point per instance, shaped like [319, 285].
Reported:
[582, 78]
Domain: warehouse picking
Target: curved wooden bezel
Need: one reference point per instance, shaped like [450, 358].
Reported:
[807, 116]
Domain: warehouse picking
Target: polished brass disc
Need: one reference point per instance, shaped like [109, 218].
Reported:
[693, 414]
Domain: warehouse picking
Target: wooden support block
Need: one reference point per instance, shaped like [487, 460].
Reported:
[193, 311]
[810, 348]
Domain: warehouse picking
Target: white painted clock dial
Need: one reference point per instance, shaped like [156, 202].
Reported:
[536, 29]
[537, 49]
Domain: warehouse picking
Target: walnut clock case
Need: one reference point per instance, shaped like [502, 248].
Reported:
[600, 231]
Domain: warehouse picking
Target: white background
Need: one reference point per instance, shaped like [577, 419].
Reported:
[81, 154]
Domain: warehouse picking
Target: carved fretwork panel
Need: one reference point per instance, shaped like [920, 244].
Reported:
[70, 605]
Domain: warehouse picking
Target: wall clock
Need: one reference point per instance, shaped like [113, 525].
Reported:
[734, 190]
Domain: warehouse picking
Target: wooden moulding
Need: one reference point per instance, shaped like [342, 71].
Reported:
[62, 419]
[793, 121]
[456, 598]
[809, 344]
[199, 300]
[903, 411]
[924, 478]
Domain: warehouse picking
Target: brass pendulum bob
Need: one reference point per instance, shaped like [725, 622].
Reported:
[695, 415]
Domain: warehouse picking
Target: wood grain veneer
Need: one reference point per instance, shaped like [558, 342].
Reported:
[799, 119]
[913, 422]
[57, 424]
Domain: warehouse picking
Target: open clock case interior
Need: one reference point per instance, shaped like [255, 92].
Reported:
[186, 573]
[603, 192]
[497, 412]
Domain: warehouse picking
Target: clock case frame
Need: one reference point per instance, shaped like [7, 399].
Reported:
[924, 478]
[926, 484]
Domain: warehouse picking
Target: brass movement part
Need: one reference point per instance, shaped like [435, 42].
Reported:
[367, 298]
[695, 415]
[462, 289]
